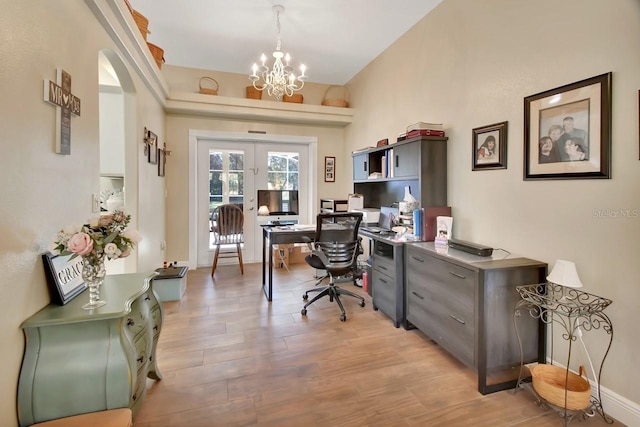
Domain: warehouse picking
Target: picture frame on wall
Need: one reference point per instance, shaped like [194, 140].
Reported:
[489, 147]
[64, 277]
[329, 169]
[151, 141]
[567, 131]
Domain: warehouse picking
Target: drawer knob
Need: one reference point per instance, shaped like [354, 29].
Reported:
[130, 322]
[417, 295]
[460, 276]
[140, 359]
[155, 327]
[147, 298]
[457, 319]
[417, 259]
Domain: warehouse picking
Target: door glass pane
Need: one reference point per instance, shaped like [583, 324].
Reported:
[282, 171]
[226, 182]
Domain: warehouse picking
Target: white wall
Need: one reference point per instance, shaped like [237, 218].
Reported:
[45, 191]
[469, 64]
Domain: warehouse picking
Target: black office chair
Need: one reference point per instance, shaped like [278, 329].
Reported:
[335, 249]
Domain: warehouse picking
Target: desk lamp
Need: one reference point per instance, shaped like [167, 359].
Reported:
[263, 210]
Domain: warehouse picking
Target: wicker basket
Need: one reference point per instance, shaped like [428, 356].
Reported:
[549, 382]
[337, 99]
[158, 54]
[295, 98]
[208, 90]
[253, 93]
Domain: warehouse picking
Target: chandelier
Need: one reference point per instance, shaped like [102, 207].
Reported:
[280, 80]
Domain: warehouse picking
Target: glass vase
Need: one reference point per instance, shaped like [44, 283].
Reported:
[93, 273]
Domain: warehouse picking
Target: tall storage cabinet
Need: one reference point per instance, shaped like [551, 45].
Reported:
[419, 163]
[466, 304]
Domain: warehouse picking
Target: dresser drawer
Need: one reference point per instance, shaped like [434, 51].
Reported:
[384, 265]
[441, 302]
[384, 293]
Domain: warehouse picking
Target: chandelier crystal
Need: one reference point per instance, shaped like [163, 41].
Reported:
[281, 80]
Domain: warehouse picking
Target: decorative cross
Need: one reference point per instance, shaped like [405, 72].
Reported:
[59, 94]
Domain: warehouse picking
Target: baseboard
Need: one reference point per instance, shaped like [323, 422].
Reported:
[615, 405]
[619, 407]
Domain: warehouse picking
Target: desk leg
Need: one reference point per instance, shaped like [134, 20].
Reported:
[264, 247]
[270, 284]
[267, 292]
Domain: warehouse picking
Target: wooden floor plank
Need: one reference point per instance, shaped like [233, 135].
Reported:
[231, 358]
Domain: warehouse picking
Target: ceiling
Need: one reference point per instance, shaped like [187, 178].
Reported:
[335, 39]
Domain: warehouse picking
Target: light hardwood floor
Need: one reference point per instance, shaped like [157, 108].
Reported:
[230, 358]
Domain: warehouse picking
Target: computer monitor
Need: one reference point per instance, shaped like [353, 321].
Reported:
[278, 203]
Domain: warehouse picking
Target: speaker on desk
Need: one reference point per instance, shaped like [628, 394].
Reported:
[429, 222]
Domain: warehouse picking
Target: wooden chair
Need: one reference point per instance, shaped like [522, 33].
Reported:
[228, 223]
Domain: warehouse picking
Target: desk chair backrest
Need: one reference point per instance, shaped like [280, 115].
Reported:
[337, 238]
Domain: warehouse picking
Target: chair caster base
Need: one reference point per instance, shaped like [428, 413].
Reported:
[303, 311]
[361, 303]
[343, 317]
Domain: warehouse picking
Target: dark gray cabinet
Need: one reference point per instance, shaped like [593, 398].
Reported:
[360, 166]
[406, 160]
[466, 304]
[388, 278]
[419, 163]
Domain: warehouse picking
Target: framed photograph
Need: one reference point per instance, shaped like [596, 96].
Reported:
[382, 142]
[489, 147]
[329, 169]
[151, 140]
[64, 277]
[567, 131]
[162, 161]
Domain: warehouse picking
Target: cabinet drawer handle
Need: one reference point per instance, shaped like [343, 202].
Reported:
[365, 166]
[134, 397]
[130, 322]
[155, 327]
[417, 295]
[457, 320]
[140, 359]
[417, 259]
[396, 161]
[384, 281]
[460, 276]
[147, 298]
[382, 267]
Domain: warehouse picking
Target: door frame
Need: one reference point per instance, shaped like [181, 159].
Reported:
[219, 136]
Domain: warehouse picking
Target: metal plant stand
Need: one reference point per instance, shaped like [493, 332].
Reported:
[575, 311]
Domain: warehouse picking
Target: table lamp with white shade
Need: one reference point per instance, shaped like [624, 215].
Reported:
[564, 273]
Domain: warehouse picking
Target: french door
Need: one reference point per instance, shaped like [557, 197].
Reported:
[232, 172]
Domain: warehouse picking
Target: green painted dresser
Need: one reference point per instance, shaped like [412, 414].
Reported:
[79, 361]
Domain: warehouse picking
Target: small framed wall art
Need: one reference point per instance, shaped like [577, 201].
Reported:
[567, 131]
[151, 146]
[64, 277]
[489, 145]
[329, 169]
